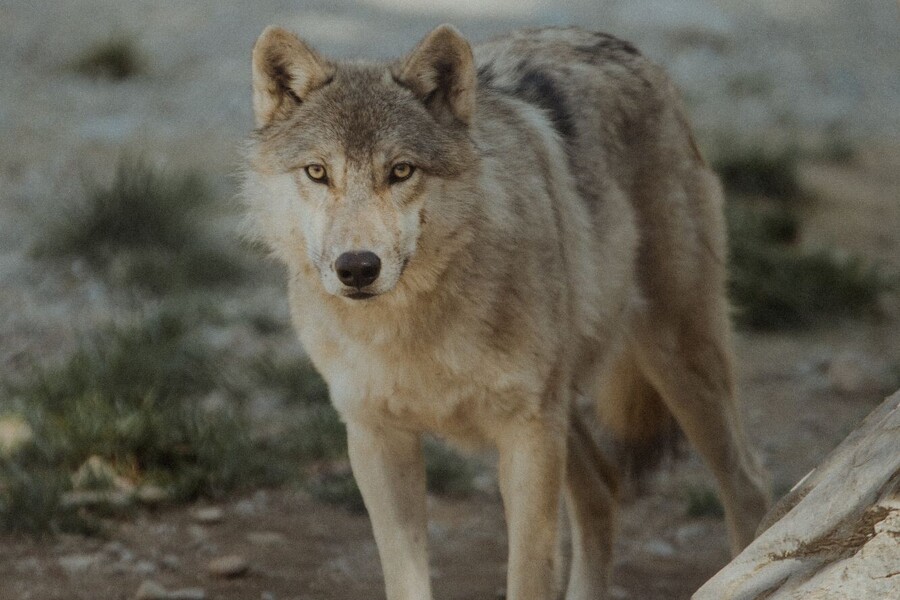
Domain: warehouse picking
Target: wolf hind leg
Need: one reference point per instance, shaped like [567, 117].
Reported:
[591, 489]
[688, 360]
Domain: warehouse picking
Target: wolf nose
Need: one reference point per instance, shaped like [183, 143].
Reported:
[357, 269]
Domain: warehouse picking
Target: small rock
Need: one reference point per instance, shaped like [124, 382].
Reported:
[659, 548]
[187, 594]
[119, 551]
[150, 590]
[96, 473]
[618, 593]
[79, 498]
[266, 538]
[851, 373]
[228, 566]
[245, 508]
[78, 563]
[690, 533]
[15, 432]
[197, 533]
[144, 567]
[153, 494]
[171, 562]
[209, 515]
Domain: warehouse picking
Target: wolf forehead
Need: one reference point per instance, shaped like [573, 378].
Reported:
[364, 114]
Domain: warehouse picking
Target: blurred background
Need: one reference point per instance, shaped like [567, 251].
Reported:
[161, 432]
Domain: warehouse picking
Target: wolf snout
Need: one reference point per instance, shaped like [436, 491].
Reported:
[357, 269]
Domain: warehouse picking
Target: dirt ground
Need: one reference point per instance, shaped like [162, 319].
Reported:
[802, 392]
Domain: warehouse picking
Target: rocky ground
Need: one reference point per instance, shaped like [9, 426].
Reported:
[788, 70]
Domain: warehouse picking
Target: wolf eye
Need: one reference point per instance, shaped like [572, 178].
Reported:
[401, 172]
[317, 173]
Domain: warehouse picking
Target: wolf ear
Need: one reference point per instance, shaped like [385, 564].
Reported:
[285, 71]
[440, 71]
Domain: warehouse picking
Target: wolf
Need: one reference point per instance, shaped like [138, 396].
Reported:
[478, 242]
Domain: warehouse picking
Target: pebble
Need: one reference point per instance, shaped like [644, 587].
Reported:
[15, 432]
[851, 373]
[153, 494]
[209, 515]
[690, 533]
[171, 562]
[187, 594]
[119, 551]
[78, 563]
[150, 590]
[144, 567]
[618, 593]
[266, 538]
[659, 548]
[228, 566]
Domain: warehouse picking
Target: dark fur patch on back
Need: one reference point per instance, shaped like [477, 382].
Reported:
[485, 76]
[539, 88]
[610, 44]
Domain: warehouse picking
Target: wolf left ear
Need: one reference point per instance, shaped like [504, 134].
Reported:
[440, 71]
[285, 71]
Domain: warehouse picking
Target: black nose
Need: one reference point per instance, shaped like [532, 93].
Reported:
[357, 269]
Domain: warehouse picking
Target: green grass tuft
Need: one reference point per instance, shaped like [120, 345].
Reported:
[775, 285]
[295, 379]
[116, 58]
[144, 230]
[132, 396]
[760, 172]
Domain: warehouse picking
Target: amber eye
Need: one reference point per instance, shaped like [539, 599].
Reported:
[317, 173]
[401, 172]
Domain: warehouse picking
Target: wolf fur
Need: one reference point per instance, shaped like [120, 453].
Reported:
[559, 236]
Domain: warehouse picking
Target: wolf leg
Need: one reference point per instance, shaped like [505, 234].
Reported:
[689, 361]
[590, 499]
[531, 471]
[390, 471]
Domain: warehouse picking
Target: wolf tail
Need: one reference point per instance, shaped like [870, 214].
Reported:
[632, 411]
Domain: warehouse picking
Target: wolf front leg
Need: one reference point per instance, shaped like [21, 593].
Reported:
[390, 471]
[531, 472]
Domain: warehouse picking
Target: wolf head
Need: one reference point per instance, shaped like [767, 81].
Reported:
[350, 161]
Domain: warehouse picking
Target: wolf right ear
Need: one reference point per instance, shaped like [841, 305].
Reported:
[285, 71]
[440, 71]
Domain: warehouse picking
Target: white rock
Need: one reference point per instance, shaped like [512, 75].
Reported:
[150, 590]
[15, 432]
[209, 515]
[852, 373]
[690, 533]
[659, 548]
[266, 538]
[187, 594]
[228, 566]
[144, 567]
[78, 563]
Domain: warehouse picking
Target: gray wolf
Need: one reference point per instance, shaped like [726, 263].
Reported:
[475, 239]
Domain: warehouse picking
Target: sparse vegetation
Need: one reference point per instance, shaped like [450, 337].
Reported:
[142, 230]
[295, 379]
[116, 58]
[132, 396]
[755, 170]
[338, 489]
[703, 502]
[774, 283]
